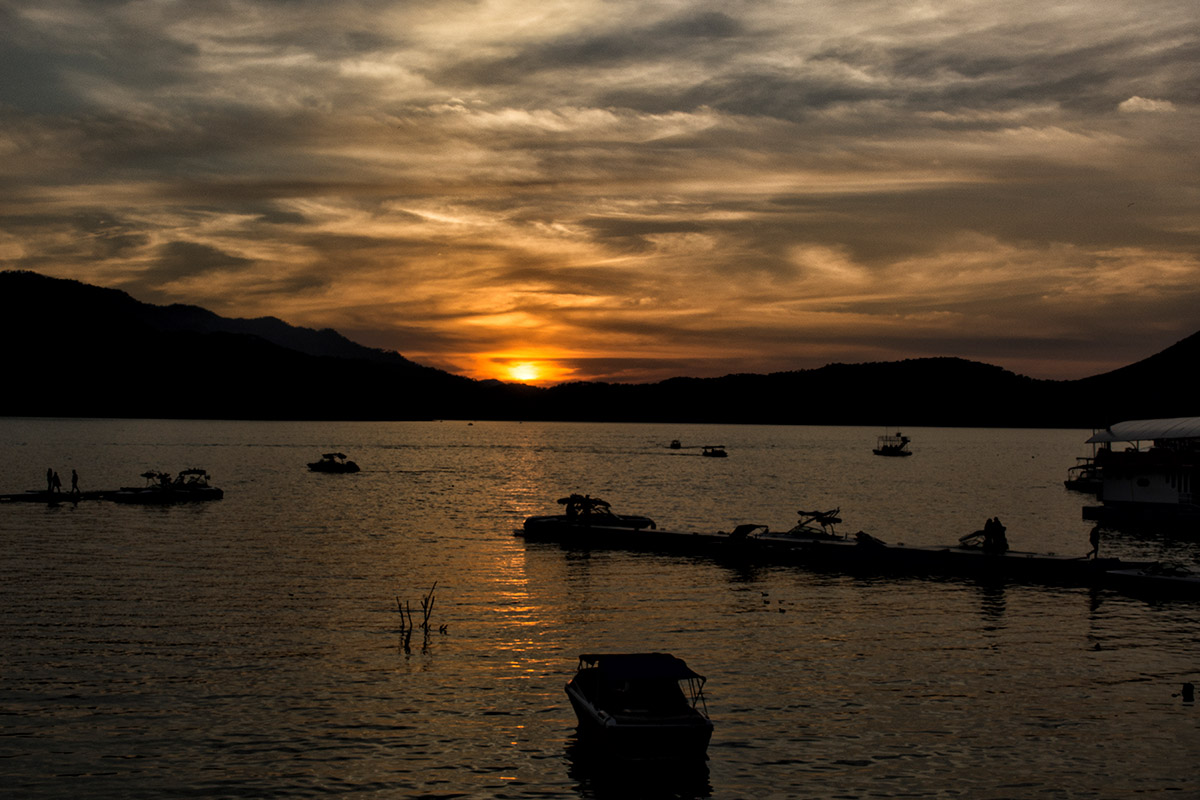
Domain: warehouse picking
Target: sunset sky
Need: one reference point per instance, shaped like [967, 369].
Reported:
[623, 190]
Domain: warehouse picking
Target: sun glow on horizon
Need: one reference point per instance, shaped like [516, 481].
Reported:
[531, 369]
[524, 371]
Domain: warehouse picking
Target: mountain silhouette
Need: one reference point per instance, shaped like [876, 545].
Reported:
[78, 350]
[90, 351]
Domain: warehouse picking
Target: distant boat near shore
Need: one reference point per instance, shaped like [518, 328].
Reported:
[895, 446]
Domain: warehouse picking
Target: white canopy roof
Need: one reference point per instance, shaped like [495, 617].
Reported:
[1140, 430]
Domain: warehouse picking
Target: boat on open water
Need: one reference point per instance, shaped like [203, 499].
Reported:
[641, 705]
[895, 446]
[334, 463]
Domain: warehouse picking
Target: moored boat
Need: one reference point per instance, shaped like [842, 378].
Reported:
[581, 512]
[1084, 476]
[714, 451]
[334, 463]
[641, 705]
[1155, 483]
[812, 525]
[189, 486]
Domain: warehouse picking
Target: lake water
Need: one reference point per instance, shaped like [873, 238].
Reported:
[251, 647]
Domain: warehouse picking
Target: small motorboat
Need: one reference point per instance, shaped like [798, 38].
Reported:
[713, 451]
[583, 512]
[676, 444]
[817, 525]
[641, 705]
[1085, 476]
[894, 446]
[333, 462]
[189, 486]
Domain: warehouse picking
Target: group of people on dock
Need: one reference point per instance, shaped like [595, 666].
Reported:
[994, 538]
[54, 483]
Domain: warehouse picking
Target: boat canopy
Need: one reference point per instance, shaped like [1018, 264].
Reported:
[1141, 430]
[640, 666]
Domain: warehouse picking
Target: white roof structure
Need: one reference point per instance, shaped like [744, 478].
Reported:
[1140, 430]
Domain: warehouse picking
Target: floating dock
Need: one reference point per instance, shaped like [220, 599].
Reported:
[865, 553]
[54, 498]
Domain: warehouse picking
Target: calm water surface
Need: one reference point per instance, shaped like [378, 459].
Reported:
[251, 647]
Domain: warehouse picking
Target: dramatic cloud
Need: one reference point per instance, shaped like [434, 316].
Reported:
[623, 190]
[1136, 104]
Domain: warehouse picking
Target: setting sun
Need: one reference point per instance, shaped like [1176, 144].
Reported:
[535, 369]
[524, 372]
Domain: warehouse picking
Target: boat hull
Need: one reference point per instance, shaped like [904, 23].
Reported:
[334, 468]
[559, 526]
[1180, 517]
[162, 497]
[633, 736]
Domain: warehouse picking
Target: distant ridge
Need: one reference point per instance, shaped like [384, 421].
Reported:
[89, 351]
[77, 350]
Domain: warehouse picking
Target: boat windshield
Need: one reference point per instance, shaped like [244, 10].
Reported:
[648, 680]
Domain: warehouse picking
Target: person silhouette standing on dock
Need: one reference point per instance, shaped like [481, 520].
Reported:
[75, 484]
[1094, 540]
[49, 480]
[55, 483]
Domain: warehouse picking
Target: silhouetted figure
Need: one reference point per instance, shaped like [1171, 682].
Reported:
[989, 529]
[49, 480]
[1094, 540]
[994, 539]
[55, 483]
[75, 483]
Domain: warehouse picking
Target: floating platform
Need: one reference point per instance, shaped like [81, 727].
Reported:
[129, 495]
[865, 553]
[53, 498]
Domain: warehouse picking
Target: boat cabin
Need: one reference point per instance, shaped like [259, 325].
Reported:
[1155, 476]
